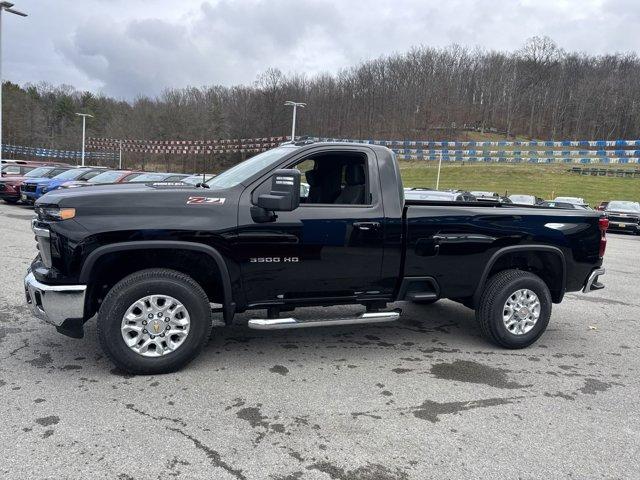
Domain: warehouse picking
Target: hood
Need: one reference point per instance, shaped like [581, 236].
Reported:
[147, 209]
[13, 180]
[38, 180]
[127, 195]
[75, 183]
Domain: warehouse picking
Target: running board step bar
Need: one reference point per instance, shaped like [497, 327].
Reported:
[284, 323]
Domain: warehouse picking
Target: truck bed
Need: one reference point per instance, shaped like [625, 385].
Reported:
[455, 242]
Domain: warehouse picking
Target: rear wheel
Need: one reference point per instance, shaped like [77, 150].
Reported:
[11, 201]
[514, 309]
[154, 321]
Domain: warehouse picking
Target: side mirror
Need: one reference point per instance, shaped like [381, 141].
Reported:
[284, 195]
[285, 192]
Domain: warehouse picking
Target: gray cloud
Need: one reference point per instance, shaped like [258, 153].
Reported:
[125, 48]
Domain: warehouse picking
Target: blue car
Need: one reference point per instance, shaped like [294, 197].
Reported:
[34, 188]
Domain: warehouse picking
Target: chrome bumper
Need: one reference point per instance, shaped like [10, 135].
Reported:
[54, 303]
[592, 281]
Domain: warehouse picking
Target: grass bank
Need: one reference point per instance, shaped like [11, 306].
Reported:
[546, 181]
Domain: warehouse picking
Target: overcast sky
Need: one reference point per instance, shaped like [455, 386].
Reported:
[129, 47]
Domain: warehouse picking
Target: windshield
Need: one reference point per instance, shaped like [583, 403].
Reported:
[195, 179]
[38, 172]
[624, 206]
[106, 177]
[442, 196]
[70, 174]
[150, 177]
[569, 200]
[248, 168]
[11, 169]
[523, 199]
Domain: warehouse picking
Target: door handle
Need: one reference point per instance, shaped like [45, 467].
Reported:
[366, 226]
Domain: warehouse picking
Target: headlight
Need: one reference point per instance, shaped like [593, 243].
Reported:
[43, 239]
[55, 213]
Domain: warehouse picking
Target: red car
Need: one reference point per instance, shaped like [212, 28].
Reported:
[10, 185]
[108, 176]
[18, 168]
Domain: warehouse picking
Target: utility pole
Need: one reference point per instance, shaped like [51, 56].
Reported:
[84, 122]
[295, 105]
[4, 7]
[120, 157]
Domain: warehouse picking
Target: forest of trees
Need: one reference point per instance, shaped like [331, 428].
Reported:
[538, 91]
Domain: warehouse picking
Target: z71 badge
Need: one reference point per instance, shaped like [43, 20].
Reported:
[205, 201]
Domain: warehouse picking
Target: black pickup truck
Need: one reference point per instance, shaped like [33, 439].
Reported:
[153, 261]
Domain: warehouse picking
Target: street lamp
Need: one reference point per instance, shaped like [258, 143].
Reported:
[84, 121]
[295, 105]
[4, 7]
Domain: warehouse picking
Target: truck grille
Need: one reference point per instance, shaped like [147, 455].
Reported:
[621, 219]
[29, 187]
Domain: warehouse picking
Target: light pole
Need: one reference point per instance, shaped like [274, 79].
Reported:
[439, 167]
[295, 105]
[4, 7]
[84, 121]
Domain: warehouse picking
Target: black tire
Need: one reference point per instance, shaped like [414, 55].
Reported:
[149, 282]
[11, 201]
[489, 311]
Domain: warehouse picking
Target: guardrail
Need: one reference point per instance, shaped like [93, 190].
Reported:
[535, 151]
[55, 153]
[570, 151]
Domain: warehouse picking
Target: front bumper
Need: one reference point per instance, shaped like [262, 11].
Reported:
[29, 197]
[624, 227]
[54, 303]
[592, 283]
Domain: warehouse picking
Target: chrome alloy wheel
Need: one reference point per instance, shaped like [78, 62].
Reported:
[521, 311]
[155, 325]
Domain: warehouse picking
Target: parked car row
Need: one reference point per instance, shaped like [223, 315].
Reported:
[16, 168]
[453, 195]
[623, 215]
[27, 181]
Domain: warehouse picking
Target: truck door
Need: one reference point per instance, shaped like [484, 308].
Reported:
[331, 245]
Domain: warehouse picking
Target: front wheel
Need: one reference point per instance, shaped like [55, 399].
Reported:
[154, 321]
[514, 309]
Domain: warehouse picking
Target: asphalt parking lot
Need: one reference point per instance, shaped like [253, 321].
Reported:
[423, 398]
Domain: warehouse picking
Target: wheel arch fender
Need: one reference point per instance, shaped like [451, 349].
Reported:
[523, 249]
[229, 305]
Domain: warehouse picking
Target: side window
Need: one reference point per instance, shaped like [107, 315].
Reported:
[11, 170]
[334, 179]
[330, 178]
[89, 175]
[130, 177]
[56, 171]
